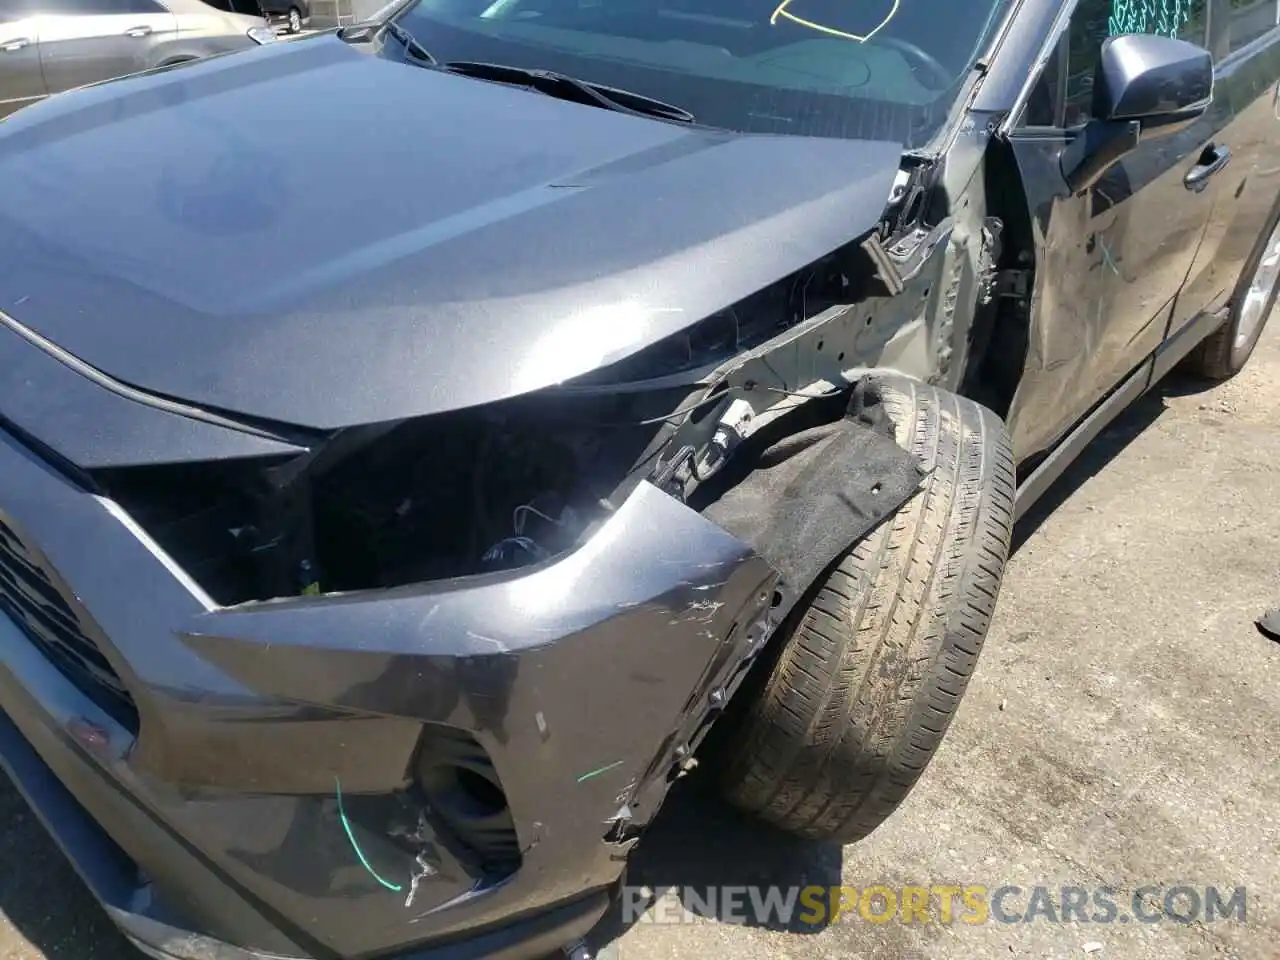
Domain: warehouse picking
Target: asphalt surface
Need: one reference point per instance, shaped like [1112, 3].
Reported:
[1121, 731]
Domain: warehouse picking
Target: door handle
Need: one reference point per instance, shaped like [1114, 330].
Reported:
[1211, 161]
[137, 31]
[13, 46]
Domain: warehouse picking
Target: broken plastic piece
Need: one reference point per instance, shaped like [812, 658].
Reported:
[886, 270]
[734, 427]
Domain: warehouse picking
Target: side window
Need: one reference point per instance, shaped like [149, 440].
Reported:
[1063, 94]
[1185, 19]
[1247, 20]
[1095, 20]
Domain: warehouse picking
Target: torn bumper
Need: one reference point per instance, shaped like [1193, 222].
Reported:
[276, 781]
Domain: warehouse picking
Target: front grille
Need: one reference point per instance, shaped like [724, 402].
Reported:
[28, 596]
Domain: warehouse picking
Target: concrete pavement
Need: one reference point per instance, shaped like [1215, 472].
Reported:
[1121, 729]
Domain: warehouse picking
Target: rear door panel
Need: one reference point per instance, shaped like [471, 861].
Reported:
[1246, 92]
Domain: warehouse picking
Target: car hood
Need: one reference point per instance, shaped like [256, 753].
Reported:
[310, 235]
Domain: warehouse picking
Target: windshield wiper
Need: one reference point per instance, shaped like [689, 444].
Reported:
[569, 88]
[411, 46]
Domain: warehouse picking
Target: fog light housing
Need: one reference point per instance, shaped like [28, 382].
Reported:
[462, 788]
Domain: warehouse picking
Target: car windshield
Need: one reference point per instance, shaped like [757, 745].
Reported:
[871, 69]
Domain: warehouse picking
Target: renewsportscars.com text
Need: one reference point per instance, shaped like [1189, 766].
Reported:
[939, 903]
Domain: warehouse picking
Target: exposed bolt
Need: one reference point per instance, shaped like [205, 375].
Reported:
[717, 698]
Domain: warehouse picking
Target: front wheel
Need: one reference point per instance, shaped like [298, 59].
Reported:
[879, 656]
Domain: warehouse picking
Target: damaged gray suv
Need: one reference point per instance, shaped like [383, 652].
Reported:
[643, 376]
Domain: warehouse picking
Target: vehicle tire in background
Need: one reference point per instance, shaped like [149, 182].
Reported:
[1225, 352]
[877, 658]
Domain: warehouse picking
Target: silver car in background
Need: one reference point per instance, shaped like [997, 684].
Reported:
[48, 46]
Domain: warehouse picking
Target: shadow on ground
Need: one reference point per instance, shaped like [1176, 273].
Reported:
[696, 842]
[699, 848]
[1106, 447]
[42, 897]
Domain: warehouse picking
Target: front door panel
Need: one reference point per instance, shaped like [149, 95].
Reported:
[1112, 260]
[1247, 92]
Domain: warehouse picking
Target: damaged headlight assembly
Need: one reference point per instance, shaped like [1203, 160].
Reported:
[511, 483]
[470, 492]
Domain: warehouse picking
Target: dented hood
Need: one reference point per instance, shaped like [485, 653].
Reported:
[311, 235]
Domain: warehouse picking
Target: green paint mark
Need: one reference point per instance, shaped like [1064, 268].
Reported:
[1161, 17]
[595, 773]
[346, 825]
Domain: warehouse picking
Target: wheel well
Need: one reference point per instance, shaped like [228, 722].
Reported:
[1000, 338]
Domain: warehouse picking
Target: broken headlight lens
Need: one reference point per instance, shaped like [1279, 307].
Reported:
[450, 495]
[482, 490]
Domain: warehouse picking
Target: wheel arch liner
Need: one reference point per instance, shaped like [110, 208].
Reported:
[810, 495]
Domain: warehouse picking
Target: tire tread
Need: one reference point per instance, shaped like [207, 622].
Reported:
[874, 670]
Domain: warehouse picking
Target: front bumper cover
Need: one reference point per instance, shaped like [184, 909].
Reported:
[217, 819]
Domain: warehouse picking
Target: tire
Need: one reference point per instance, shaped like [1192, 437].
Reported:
[1225, 352]
[295, 20]
[878, 656]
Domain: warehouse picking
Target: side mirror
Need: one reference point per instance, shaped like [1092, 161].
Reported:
[1159, 81]
[1144, 86]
